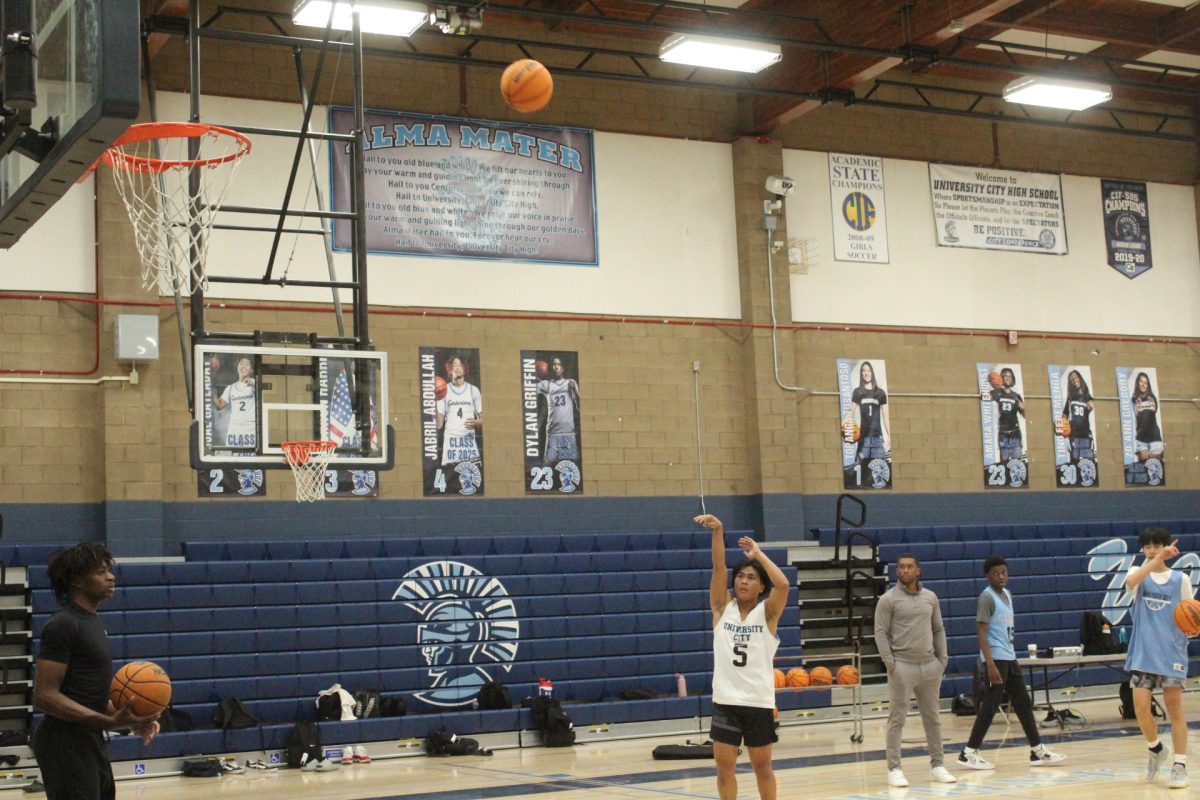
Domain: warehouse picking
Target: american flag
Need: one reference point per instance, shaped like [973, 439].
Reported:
[341, 414]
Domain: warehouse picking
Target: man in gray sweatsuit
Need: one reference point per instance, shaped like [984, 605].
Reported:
[912, 642]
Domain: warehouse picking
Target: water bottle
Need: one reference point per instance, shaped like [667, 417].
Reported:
[545, 687]
[1123, 637]
[681, 684]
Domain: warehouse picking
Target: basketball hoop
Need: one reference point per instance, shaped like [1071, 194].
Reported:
[151, 166]
[308, 461]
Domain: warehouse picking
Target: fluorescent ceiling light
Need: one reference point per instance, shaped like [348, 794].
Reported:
[712, 51]
[390, 17]
[1057, 93]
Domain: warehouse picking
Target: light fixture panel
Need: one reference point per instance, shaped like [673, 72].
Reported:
[387, 17]
[719, 53]
[1061, 93]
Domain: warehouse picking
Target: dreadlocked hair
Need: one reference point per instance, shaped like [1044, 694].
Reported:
[72, 563]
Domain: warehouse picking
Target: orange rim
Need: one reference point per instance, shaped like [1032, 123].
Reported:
[148, 131]
[299, 452]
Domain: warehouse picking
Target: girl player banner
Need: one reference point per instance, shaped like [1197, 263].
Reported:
[1141, 426]
[451, 421]
[1002, 414]
[865, 424]
[1072, 407]
[550, 422]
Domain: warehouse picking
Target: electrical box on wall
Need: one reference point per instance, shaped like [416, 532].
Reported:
[136, 337]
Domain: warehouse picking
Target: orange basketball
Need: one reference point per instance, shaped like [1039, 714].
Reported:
[439, 387]
[142, 685]
[820, 676]
[1064, 426]
[797, 677]
[847, 675]
[780, 680]
[526, 85]
[1187, 617]
[543, 369]
[995, 378]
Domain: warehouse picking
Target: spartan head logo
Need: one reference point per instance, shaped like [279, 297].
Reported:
[568, 475]
[881, 473]
[468, 631]
[249, 481]
[363, 480]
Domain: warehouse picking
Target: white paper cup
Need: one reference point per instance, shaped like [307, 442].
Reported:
[1033, 651]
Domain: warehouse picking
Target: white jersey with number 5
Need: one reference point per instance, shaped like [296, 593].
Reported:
[458, 406]
[744, 658]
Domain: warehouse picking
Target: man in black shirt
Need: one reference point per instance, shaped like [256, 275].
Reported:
[71, 681]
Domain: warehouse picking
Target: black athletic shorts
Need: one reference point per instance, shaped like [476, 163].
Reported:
[73, 761]
[732, 724]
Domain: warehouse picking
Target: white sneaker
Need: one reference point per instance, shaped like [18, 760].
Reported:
[974, 761]
[1045, 758]
[1179, 778]
[896, 778]
[348, 754]
[325, 765]
[1154, 763]
[942, 775]
[360, 755]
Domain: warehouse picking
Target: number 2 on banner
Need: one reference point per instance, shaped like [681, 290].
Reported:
[541, 479]
[996, 476]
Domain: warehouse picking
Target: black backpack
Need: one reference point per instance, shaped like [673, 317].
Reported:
[392, 707]
[201, 767]
[441, 742]
[173, 719]
[549, 718]
[674, 752]
[329, 707]
[366, 703]
[1095, 634]
[494, 695]
[232, 715]
[304, 744]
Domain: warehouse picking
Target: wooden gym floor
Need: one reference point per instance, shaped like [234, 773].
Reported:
[1106, 759]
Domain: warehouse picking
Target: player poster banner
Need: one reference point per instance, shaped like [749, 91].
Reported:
[230, 405]
[857, 207]
[334, 379]
[451, 421]
[1071, 408]
[232, 482]
[1127, 226]
[1002, 415]
[465, 188]
[1141, 426]
[865, 424]
[996, 209]
[551, 422]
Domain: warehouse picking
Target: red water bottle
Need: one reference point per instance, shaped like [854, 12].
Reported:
[545, 687]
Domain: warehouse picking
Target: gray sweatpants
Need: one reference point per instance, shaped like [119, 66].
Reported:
[925, 681]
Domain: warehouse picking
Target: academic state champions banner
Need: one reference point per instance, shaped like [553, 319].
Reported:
[1126, 226]
[865, 423]
[996, 209]
[1071, 408]
[1141, 426]
[451, 421]
[857, 208]
[1002, 416]
[463, 188]
[550, 422]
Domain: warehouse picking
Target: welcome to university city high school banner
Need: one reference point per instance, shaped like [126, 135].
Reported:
[996, 209]
[1126, 227]
[443, 186]
[857, 207]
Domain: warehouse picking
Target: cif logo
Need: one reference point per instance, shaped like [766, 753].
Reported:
[468, 631]
[859, 211]
[1112, 556]
[469, 477]
[363, 480]
[568, 475]
[249, 481]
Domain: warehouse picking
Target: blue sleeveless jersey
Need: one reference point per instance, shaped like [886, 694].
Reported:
[1157, 645]
[1000, 627]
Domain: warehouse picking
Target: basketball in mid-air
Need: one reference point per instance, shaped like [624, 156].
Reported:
[847, 675]
[142, 685]
[780, 679]
[543, 369]
[1187, 617]
[797, 677]
[995, 378]
[820, 676]
[439, 387]
[526, 86]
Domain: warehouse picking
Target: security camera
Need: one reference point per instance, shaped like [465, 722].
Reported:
[780, 185]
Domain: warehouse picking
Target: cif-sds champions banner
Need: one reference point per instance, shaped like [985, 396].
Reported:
[451, 421]
[865, 423]
[550, 422]
[1002, 415]
[1072, 409]
[857, 207]
[996, 209]
[463, 188]
[1141, 426]
[1126, 226]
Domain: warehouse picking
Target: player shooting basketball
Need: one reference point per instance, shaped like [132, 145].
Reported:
[744, 645]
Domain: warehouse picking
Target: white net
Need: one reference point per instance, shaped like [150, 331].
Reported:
[170, 225]
[308, 461]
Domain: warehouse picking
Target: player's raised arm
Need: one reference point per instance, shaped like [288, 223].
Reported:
[1135, 576]
[777, 600]
[718, 592]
